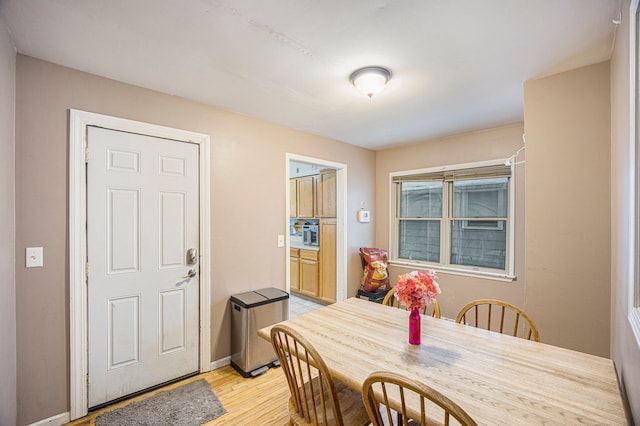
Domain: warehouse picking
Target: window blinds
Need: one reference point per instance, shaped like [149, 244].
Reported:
[494, 171]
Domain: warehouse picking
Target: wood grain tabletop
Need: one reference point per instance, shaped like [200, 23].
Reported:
[497, 379]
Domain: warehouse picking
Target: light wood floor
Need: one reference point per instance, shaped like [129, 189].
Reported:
[260, 400]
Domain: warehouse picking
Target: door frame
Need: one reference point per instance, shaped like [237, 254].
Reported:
[78, 319]
[341, 223]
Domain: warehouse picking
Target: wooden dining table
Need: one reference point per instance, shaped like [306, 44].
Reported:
[496, 378]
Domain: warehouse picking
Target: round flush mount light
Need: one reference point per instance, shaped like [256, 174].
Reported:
[370, 80]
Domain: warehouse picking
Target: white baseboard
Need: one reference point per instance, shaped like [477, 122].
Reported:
[221, 362]
[57, 420]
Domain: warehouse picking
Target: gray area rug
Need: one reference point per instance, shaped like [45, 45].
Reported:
[189, 405]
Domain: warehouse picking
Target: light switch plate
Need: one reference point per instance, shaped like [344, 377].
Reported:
[280, 240]
[34, 257]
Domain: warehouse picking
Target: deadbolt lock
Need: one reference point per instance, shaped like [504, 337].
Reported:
[192, 256]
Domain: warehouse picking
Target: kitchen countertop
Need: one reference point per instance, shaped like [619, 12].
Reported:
[297, 245]
[295, 242]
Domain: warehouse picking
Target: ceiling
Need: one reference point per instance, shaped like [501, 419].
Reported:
[457, 65]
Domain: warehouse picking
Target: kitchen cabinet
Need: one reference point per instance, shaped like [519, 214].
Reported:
[313, 272]
[317, 195]
[305, 196]
[309, 273]
[326, 194]
[301, 197]
[293, 198]
[313, 196]
[327, 286]
[294, 270]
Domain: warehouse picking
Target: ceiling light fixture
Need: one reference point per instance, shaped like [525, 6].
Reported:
[370, 80]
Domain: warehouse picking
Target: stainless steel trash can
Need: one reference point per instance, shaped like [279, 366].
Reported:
[251, 355]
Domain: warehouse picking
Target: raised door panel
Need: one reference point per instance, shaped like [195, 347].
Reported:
[172, 230]
[295, 274]
[328, 260]
[173, 327]
[123, 235]
[309, 277]
[328, 194]
[309, 254]
[317, 196]
[293, 198]
[294, 261]
[123, 337]
[305, 197]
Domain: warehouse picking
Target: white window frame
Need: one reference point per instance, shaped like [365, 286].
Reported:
[506, 275]
[634, 148]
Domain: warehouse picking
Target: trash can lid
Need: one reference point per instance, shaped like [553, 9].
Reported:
[273, 294]
[249, 299]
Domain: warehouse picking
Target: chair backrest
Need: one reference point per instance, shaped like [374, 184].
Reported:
[386, 393]
[496, 315]
[313, 393]
[433, 309]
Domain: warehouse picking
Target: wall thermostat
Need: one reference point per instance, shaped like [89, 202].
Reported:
[363, 216]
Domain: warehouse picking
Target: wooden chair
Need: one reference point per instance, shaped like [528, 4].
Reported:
[433, 309]
[386, 393]
[315, 398]
[508, 314]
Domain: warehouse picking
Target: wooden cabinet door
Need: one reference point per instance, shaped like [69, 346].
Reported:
[294, 262]
[309, 273]
[327, 205]
[328, 260]
[317, 196]
[293, 198]
[305, 196]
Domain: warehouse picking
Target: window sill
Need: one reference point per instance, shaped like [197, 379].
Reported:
[495, 276]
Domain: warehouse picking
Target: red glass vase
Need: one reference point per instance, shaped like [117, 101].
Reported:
[414, 326]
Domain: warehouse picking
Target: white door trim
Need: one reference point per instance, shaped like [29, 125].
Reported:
[78, 122]
[341, 223]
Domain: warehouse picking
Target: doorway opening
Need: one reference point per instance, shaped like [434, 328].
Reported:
[324, 233]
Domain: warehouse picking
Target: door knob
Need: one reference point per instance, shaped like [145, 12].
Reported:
[192, 256]
[192, 273]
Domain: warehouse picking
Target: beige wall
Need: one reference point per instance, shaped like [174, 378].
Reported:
[499, 143]
[568, 237]
[561, 257]
[624, 346]
[248, 209]
[7, 231]
[249, 171]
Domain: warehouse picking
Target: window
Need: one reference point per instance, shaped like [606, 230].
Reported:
[455, 218]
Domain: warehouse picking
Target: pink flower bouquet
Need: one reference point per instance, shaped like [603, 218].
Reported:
[417, 289]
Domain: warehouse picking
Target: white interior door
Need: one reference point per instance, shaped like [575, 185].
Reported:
[143, 289]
